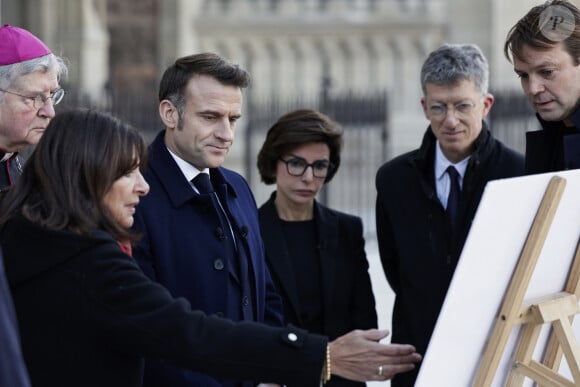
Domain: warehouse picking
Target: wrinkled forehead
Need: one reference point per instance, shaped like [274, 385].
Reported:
[42, 80]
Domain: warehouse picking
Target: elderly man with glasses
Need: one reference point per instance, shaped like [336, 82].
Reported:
[29, 87]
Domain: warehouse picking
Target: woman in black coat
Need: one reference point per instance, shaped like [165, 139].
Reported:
[88, 315]
[315, 254]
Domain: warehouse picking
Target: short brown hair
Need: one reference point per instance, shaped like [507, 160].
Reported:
[294, 129]
[527, 32]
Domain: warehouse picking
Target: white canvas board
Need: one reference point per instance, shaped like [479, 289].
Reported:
[489, 257]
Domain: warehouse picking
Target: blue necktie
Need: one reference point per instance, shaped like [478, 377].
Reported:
[453, 198]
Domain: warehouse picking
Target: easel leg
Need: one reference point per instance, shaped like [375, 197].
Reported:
[554, 353]
[531, 333]
[517, 288]
[567, 339]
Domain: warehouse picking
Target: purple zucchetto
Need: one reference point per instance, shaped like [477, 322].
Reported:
[18, 45]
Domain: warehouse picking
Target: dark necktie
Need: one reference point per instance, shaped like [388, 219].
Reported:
[453, 198]
[202, 183]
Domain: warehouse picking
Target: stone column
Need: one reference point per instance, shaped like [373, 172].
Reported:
[72, 29]
[177, 36]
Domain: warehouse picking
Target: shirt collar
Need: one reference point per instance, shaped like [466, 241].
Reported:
[188, 170]
[441, 163]
[6, 156]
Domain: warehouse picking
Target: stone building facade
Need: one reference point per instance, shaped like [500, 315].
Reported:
[289, 46]
[294, 49]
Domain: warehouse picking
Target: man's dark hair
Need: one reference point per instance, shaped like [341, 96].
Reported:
[528, 31]
[293, 130]
[176, 76]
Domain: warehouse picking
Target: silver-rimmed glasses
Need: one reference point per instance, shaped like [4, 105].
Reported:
[462, 109]
[39, 100]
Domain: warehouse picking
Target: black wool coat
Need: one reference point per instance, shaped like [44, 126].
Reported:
[417, 250]
[88, 316]
[554, 148]
[347, 295]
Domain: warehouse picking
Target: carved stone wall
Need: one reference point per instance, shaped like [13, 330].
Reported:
[289, 46]
[133, 61]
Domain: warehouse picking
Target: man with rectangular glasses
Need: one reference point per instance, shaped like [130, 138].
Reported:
[427, 198]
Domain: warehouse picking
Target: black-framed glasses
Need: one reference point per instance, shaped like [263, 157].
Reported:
[39, 100]
[296, 166]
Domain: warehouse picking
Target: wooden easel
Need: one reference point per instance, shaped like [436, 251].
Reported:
[556, 309]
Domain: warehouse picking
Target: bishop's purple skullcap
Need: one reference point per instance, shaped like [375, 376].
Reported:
[18, 45]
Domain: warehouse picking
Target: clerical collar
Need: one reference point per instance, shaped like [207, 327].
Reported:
[6, 156]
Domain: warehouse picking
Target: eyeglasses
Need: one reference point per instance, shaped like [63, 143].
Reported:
[39, 100]
[462, 109]
[296, 166]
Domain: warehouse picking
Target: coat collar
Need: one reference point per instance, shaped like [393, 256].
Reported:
[481, 151]
[179, 190]
[553, 148]
[424, 158]
[558, 127]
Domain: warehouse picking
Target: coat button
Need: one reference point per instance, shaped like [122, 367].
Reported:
[218, 264]
[219, 233]
[220, 314]
[245, 301]
[292, 337]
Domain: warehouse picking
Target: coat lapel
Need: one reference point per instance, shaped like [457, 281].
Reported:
[167, 171]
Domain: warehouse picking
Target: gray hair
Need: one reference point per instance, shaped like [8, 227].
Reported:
[9, 74]
[452, 63]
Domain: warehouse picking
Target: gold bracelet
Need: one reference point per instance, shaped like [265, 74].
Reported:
[327, 367]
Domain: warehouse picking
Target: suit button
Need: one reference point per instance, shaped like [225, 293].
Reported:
[218, 264]
[245, 301]
[219, 233]
[219, 314]
[292, 337]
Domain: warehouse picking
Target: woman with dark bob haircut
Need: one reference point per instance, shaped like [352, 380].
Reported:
[88, 315]
[315, 254]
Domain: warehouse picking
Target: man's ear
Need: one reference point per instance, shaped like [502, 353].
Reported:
[168, 114]
[488, 100]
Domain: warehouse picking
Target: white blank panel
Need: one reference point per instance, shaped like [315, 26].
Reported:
[489, 257]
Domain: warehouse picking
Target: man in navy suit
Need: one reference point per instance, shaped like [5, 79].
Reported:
[204, 246]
